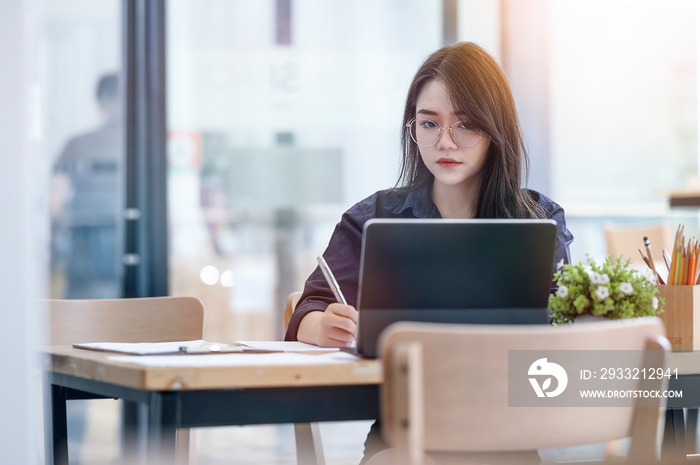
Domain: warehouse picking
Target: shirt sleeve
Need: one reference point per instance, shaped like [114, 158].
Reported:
[343, 258]
[564, 238]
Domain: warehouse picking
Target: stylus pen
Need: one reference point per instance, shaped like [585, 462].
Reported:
[330, 279]
[667, 258]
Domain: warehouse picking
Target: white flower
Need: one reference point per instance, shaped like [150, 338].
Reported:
[626, 288]
[647, 274]
[651, 277]
[560, 264]
[598, 278]
[654, 303]
[588, 260]
[602, 292]
[563, 291]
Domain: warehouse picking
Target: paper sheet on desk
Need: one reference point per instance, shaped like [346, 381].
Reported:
[163, 348]
[278, 358]
[140, 348]
[286, 346]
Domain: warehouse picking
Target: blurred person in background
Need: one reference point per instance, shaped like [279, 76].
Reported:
[85, 204]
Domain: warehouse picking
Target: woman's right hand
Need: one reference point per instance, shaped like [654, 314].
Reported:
[336, 327]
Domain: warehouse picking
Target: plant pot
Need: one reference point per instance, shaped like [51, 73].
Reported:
[588, 318]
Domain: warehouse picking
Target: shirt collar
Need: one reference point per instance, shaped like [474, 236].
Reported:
[418, 200]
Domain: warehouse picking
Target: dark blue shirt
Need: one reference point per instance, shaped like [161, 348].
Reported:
[343, 252]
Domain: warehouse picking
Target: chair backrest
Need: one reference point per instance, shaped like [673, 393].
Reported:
[626, 239]
[446, 387]
[292, 300]
[151, 319]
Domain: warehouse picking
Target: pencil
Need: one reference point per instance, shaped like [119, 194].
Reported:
[674, 256]
[652, 265]
[696, 278]
[672, 270]
[692, 264]
[688, 278]
[689, 262]
[683, 265]
[656, 273]
[644, 257]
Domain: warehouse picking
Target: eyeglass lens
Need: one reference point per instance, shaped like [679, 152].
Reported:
[425, 132]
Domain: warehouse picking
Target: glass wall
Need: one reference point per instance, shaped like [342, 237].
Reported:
[623, 113]
[281, 115]
[81, 63]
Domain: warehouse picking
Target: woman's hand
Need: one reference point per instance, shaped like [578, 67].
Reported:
[336, 327]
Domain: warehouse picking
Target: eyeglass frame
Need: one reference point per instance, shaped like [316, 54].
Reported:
[440, 128]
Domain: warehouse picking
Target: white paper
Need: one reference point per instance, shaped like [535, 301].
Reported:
[162, 348]
[286, 346]
[140, 348]
[240, 359]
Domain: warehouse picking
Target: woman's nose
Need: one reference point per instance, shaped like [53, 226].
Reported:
[445, 139]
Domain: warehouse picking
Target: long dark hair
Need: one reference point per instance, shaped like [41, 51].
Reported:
[478, 88]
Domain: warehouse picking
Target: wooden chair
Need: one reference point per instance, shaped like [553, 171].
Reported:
[307, 435]
[626, 239]
[154, 319]
[292, 301]
[445, 400]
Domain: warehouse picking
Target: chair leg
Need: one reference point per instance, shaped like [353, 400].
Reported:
[309, 447]
[691, 430]
[186, 453]
[673, 447]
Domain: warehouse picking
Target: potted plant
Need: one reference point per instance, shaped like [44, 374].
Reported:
[613, 289]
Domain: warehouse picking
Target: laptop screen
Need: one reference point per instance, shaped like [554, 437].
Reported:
[459, 271]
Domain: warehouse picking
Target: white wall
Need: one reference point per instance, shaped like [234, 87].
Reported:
[20, 273]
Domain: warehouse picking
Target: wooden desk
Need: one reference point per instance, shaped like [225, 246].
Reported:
[685, 198]
[206, 396]
[246, 395]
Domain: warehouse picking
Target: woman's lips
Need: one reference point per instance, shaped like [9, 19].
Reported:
[448, 162]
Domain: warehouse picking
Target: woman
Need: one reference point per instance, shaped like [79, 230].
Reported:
[463, 156]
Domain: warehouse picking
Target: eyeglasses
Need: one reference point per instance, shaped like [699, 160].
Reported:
[425, 133]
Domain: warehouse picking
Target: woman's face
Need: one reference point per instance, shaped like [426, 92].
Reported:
[452, 165]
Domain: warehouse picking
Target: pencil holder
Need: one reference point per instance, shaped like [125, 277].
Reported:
[681, 316]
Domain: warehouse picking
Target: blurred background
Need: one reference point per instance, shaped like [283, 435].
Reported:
[209, 147]
[280, 114]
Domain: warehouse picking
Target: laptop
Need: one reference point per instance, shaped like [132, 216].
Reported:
[453, 271]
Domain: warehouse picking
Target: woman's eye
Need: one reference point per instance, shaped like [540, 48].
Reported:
[465, 126]
[427, 124]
